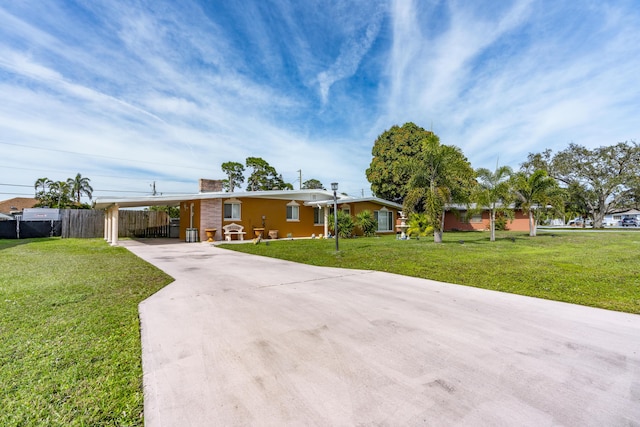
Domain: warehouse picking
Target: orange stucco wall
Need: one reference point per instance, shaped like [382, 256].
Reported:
[275, 213]
[185, 212]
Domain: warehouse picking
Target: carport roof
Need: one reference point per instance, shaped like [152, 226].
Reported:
[176, 199]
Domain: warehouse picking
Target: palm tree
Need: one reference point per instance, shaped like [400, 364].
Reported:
[60, 192]
[41, 182]
[440, 175]
[534, 192]
[493, 192]
[79, 186]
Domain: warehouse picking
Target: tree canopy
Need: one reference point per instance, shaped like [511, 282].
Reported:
[63, 194]
[601, 180]
[235, 175]
[264, 176]
[312, 184]
[391, 151]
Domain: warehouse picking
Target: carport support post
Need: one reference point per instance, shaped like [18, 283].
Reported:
[326, 220]
[106, 225]
[334, 187]
[114, 225]
[107, 218]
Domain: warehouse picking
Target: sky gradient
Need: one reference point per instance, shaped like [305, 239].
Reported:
[132, 92]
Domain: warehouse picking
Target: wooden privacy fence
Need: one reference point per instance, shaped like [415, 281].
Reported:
[85, 223]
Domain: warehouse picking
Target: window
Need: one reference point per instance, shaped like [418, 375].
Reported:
[232, 209]
[293, 211]
[474, 218]
[346, 209]
[385, 219]
[318, 216]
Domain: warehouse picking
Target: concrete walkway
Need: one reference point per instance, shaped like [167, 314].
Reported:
[245, 340]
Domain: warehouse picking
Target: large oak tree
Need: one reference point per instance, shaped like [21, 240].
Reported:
[387, 173]
[603, 179]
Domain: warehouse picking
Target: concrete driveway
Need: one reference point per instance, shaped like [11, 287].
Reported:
[245, 340]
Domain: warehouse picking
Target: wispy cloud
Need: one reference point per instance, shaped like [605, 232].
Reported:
[351, 52]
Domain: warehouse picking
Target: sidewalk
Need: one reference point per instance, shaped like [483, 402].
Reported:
[245, 340]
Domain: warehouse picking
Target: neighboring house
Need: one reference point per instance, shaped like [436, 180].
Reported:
[613, 219]
[16, 205]
[458, 218]
[290, 213]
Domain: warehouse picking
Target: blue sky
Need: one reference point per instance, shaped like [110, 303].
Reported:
[132, 92]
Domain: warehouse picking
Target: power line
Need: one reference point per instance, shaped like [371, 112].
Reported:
[17, 185]
[18, 194]
[126, 178]
[94, 191]
[98, 155]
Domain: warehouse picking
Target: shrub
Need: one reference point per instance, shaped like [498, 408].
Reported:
[366, 222]
[501, 222]
[345, 224]
[419, 225]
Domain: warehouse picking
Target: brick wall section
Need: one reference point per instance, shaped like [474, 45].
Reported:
[210, 210]
[210, 185]
[211, 217]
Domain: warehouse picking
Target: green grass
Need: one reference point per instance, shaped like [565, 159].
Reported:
[70, 350]
[588, 268]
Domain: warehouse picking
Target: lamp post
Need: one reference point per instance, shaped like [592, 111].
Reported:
[334, 187]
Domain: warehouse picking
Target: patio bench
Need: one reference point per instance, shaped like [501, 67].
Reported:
[233, 229]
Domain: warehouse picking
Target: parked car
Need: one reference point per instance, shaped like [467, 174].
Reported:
[577, 222]
[629, 222]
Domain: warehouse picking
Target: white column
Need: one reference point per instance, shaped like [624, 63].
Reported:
[109, 223]
[114, 226]
[326, 220]
[106, 225]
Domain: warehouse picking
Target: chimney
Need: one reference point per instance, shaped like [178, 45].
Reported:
[210, 185]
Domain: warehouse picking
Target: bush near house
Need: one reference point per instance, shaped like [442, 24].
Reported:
[367, 223]
[345, 224]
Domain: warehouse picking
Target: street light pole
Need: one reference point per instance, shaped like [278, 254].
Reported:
[334, 187]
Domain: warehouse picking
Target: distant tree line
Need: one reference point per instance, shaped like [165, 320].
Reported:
[262, 177]
[410, 166]
[63, 194]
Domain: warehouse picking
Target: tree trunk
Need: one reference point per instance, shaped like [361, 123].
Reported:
[532, 224]
[437, 234]
[492, 225]
[598, 216]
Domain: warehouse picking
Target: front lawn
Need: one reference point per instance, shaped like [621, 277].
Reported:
[70, 350]
[589, 268]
